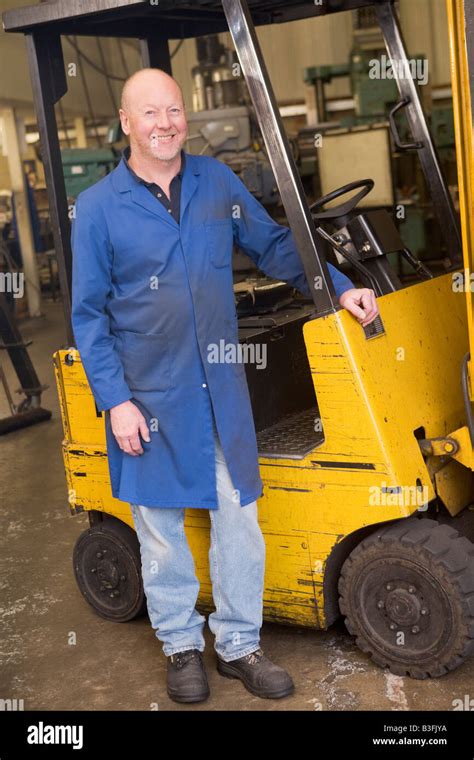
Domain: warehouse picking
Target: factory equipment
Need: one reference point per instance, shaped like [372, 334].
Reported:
[85, 166]
[223, 123]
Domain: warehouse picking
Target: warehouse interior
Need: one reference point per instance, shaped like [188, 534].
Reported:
[57, 653]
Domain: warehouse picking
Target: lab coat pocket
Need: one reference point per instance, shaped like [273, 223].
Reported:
[219, 240]
[146, 360]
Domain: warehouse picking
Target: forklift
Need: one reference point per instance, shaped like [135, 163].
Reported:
[365, 435]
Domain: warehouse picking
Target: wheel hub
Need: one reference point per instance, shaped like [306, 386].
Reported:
[399, 597]
[107, 567]
[403, 607]
[107, 574]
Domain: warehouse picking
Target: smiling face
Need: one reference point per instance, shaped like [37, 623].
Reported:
[153, 116]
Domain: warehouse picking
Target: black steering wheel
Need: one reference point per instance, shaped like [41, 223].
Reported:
[344, 208]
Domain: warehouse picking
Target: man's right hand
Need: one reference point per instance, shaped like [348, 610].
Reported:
[127, 422]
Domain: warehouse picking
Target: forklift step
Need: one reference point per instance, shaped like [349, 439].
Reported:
[292, 437]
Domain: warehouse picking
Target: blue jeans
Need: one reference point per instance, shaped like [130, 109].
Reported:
[236, 562]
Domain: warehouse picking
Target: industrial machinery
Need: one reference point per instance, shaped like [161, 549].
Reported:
[223, 123]
[84, 167]
[365, 434]
[349, 123]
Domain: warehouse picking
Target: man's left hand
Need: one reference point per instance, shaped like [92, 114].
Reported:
[361, 303]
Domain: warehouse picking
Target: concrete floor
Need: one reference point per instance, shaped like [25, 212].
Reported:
[121, 666]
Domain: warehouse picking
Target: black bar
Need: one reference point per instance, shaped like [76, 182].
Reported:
[65, 14]
[48, 81]
[29, 731]
[310, 248]
[16, 347]
[429, 159]
[64, 10]
[155, 53]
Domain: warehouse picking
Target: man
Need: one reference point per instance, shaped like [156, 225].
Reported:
[152, 291]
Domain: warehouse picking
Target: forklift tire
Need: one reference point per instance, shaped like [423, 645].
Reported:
[107, 567]
[407, 594]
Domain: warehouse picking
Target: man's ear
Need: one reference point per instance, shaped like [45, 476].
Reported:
[124, 122]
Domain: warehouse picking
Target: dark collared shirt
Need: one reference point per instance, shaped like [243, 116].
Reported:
[172, 205]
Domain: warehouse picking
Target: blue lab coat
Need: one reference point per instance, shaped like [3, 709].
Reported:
[150, 297]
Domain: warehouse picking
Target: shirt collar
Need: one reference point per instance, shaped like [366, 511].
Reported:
[126, 157]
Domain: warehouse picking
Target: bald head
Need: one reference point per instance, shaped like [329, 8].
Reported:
[153, 117]
[145, 84]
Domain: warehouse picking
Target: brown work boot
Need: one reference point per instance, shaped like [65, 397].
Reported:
[258, 674]
[186, 678]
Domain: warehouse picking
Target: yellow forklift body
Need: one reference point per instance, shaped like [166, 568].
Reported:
[463, 123]
[372, 395]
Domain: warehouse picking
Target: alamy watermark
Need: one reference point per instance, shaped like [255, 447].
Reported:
[12, 282]
[399, 496]
[463, 282]
[11, 705]
[231, 353]
[413, 68]
[41, 733]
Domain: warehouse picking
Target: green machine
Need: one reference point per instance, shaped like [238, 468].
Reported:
[83, 167]
[371, 96]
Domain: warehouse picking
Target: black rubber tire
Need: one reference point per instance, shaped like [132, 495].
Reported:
[112, 584]
[423, 575]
